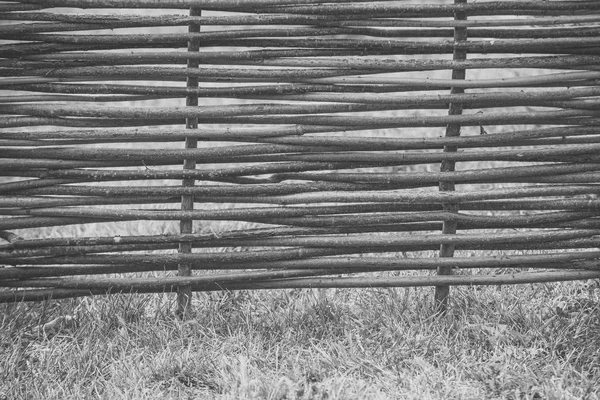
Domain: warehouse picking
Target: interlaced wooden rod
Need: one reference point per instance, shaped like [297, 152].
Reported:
[171, 154]
[320, 223]
[418, 196]
[470, 221]
[30, 98]
[169, 91]
[221, 5]
[24, 164]
[558, 117]
[115, 20]
[155, 239]
[380, 224]
[362, 282]
[435, 10]
[271, 153]
[481, 100]
[8, 187]
[26, 143]
[572, 136]
[415, 22]
[298, 135]
[567, 78]
[64, 201]
[410, 180]
[538, 45]
[481, 174]
[120, 284]
[259, 189]
[297, 58]
[10, 237]
[26, 272]
[15, 122]
[53, 85]
[201, 174]
[319, 74]
[18, 7]
[567, 173]
[581, 243]
[541, 205]
[520, 278]
[340, 160]
[23, 272]
[569, 260]
[44, 32]
[575, 204]
[92, 249]
[329, 123]
[38, 222]
[132, 21]
[381, 241]
[341, 123]
[332, 142]
[28, 32]
[52, 110]
[584, 177]
[369, 102]
[206, 73]
[263, 213]
[14, 30]
[583, 46]
[15, 187]
[381, 196]
[581, 154]
[26, 50]
[176, 39]
[15, 165]
[414, 281]
[226, 133]
[546, 98]
[241, 259]
[210, 259]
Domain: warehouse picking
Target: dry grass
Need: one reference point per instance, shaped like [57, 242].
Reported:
[526, 342]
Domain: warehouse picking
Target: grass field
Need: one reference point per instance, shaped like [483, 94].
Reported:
[524, 342]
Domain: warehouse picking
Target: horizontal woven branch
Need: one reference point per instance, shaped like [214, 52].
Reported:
[512, 7]
[553, 173]
[322, 245]
[294, 133]
[20, 32]
[565, 260]
[361, 102]
[340, 47]
[289, 58]
[112, 21]
[323, 239]
[470, 280]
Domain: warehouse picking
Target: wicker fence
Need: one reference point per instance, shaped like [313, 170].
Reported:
[320, 144]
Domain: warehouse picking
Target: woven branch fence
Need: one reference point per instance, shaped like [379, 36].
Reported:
[265, 144]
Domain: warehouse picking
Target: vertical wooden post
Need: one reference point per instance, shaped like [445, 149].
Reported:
[184, 293]
[446, 250]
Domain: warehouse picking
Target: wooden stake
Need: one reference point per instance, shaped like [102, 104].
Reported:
[184, 293]
[442, 293]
